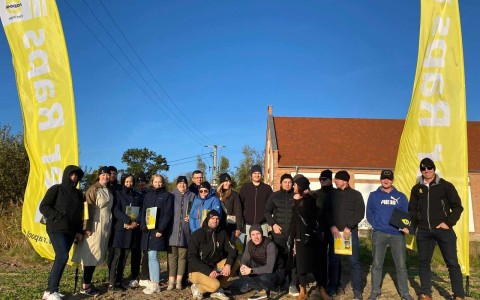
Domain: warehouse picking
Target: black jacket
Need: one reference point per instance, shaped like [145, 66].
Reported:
[122, 237]
[163, 200]
[232, 206]
[206, 247]
[305, 210]
[321, 196]
[254, 198]
[344, 208]
[278, 209]
[431, 205]
[62, 205]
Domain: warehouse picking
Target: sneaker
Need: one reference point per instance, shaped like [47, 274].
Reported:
[47, 293]
[54, 296]
[259, 295]
[196, 293]
[143, 283]
[179, 286]
[357, 295]
[133, 284]
[373, 297]
[171, 286]
[245, 288]
[152, 288]
[293, 291]
[89, 291]
[220, 294]
[114, 288]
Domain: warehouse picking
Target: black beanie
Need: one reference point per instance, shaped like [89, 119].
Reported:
[224, 177]
[112, 168]
[103, 170]
[141, 177]
[256, 227]
[255, 168]
[205, 185]
[210, 214]
[326, 174]
[427, 162]
[182, 179]
[303, 182]
[342, 175]
[286, 176]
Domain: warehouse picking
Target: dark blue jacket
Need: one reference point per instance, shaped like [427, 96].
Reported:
[380, 206]
[163, 200]
[124, 238]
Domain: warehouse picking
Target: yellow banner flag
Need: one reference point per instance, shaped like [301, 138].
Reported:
[436, 125]
[44, 83]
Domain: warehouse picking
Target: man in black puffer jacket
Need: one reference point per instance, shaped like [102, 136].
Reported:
[62, 206]
[209, 270]
[278, 213]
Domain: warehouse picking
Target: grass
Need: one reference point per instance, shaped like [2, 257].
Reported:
[24, 274]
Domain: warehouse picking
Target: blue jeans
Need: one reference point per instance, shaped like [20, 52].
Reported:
[61, 242]
[153, 266]
[334, 268]
[447, 242]
[380, 242]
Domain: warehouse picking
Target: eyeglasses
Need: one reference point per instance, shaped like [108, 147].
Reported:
[426, 168]
[203, 191]
[323, 178]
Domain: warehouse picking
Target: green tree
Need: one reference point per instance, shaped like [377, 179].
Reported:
[143, 160]
[251, 157]
[224, 166]
[14, 166]
[202, 166]
[89, 178]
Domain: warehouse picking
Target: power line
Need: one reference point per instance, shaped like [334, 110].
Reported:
[149, 72]
[198, 140]
[131, 63]
[204, 154]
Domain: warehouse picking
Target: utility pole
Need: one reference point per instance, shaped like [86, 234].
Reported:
[215, 165]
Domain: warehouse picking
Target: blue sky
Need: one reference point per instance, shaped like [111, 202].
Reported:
[223, 62]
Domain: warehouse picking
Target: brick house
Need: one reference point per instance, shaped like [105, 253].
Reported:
[321, 148]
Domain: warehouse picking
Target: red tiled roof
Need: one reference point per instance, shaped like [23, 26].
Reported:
[349, 142]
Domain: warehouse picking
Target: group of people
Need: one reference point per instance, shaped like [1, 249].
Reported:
[290, 233]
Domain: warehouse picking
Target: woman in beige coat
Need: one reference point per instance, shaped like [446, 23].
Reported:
[91, 251]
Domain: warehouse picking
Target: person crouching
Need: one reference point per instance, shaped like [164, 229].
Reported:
[209, 269]
[260, 261]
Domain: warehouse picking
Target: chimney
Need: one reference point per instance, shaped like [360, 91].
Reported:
[269, 110]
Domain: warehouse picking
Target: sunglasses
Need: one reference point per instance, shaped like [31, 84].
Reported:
[203, 191]
[323, 178]
[426, 168]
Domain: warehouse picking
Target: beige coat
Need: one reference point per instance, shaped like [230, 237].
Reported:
[91, 251]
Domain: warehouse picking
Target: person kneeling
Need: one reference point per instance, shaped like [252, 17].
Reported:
[209, 270]
[260, 261]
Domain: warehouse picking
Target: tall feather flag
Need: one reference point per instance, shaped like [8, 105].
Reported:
[436, 124]
[44, 84]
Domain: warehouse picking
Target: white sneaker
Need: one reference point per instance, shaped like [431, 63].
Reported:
[133, 284]
[47, 293]
[54, 296]
[143, 283]
[196, 293]
[293, 291]
[220, 294]
[152, 288]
